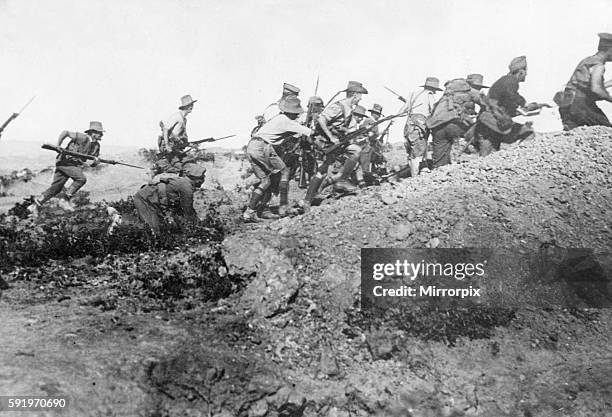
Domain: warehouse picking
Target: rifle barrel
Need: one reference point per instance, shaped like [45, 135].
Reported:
[26, 105]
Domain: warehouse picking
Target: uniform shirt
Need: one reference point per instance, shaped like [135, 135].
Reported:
[271, 111]
[280, 128]
[176, 125]
[81, 144]
[424, 102]
[581, 78]
[505, 91]
[338, 113]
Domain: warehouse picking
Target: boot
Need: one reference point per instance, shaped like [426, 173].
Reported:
[66, 204]
[345, 187]
[268, 215]
[250, 216]
[313, 188]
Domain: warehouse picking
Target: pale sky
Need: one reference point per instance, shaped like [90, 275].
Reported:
[127, 63]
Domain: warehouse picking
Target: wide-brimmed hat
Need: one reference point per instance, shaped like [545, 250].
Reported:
[291, 105]
[605, 41]
[376, 108]
[355, 87]
[315, 100]
[518, 63]
[186, 101]
[191, 169]
[359, 111]
[475, 80]
[95, 127]
[432, 83]
[290, 89]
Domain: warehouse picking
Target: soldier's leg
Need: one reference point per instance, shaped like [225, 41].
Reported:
[147, 212]
[283, 188]
[488, 141]
[340, 180]
[443, 138]
[78, 180]
[57, 184]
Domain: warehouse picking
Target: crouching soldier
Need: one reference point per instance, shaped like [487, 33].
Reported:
[266, 162]
[71, 167]
[170, 194]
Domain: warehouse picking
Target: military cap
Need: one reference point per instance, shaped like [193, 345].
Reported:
[186, 101]
[315, 100]
[518, 63]
[191, 169]
[605, 41]
[95, 127]
[475, 80]
[291, 104]
[432, 83]
[376, 108]
[289, 89]
[359, 111]
[355, 87]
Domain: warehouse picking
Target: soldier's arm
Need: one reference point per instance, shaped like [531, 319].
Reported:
[597, 83]
[94, 150]
[72, 135]
[322, 121]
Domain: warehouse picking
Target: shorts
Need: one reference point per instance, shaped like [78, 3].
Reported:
[263, 158]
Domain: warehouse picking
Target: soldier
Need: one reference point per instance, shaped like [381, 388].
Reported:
[416, 134]
[495, 124]
[577, 104]
[171, 194]
[334, 121]
[174, 131]
[304, 147]
[71, 167]
[274, 108]
[451, 118]
[264, 159]
[368, 144]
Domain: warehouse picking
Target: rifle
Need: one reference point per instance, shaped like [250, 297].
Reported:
[400, 98]
[360, 132]
[14, 116]
[197, 142]
[402, 170]
[61, 150]
[386, 131]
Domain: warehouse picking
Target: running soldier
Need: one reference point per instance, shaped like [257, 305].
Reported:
[368, 145]
[577, 104]
[495, 124]
[71, 167]
[331, 125]
[416, 134]
[452, 116]
[266, 162]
